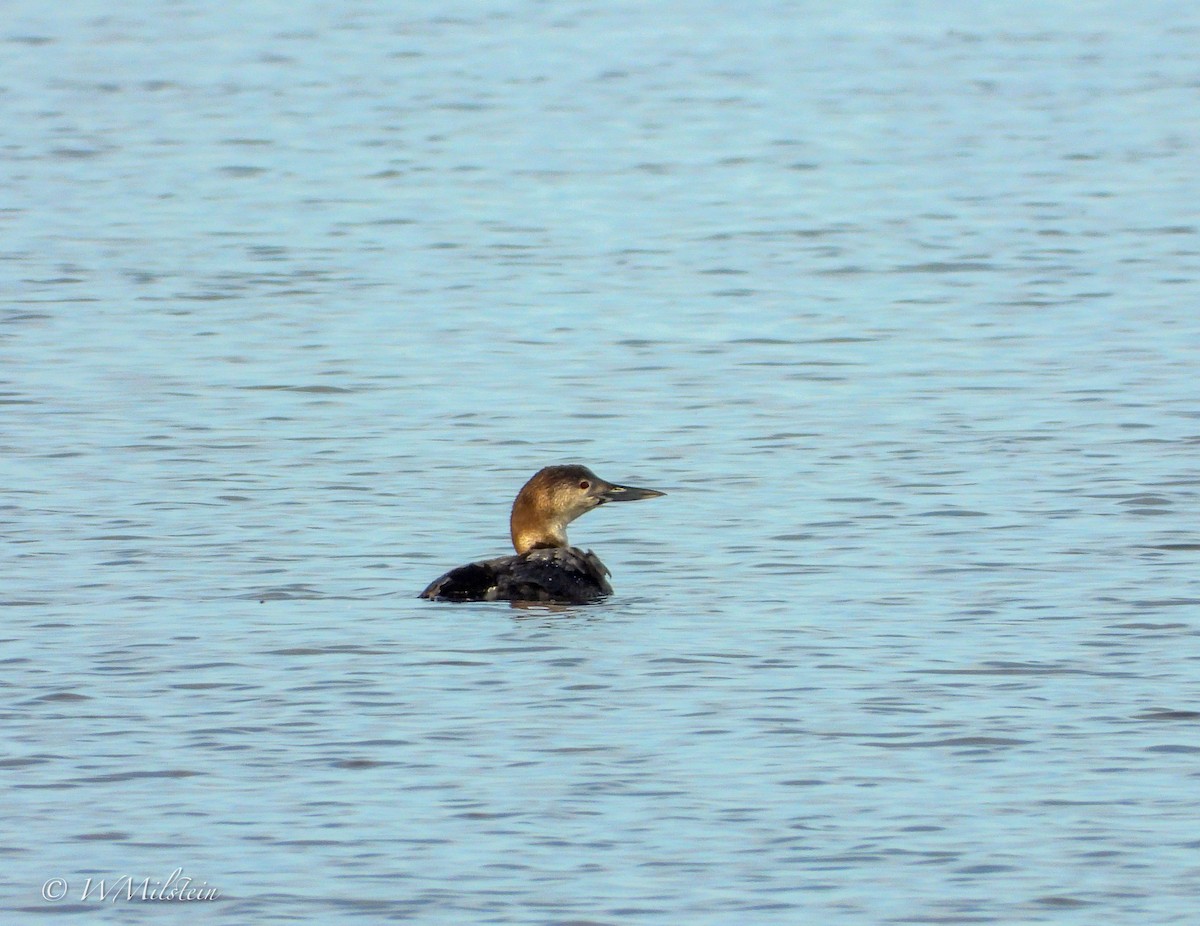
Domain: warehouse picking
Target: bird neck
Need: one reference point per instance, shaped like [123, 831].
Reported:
[531, 526]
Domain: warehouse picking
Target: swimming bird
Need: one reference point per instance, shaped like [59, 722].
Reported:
[545, 568]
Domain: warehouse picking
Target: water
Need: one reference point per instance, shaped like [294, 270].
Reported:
[897, 302]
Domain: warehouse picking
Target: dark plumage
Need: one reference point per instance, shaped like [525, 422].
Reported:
[566, 575]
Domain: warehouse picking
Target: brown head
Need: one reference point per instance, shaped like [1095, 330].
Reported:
[555, 497]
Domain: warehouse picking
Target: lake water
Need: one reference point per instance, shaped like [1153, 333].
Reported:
[898, 302]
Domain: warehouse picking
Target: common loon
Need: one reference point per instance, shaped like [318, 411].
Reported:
[545, 567]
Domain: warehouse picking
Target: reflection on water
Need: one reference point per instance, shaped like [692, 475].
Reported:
[898, 310]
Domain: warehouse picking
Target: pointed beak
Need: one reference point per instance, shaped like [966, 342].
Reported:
[612, 493]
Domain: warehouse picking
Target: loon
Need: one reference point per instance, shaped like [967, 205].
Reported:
[546, 568]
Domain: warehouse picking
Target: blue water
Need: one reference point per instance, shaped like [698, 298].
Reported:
[897, 302]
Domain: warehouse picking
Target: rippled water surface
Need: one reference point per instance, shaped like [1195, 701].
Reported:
[897, 302]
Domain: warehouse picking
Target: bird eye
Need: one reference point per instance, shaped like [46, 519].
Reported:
[585, 484]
